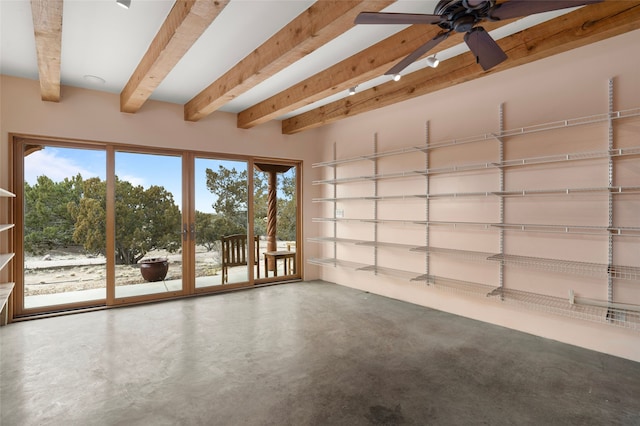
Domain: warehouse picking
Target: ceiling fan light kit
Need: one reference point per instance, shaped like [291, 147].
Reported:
[463, 16]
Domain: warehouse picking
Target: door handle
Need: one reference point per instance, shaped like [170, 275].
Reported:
[185, 232]
[192, 228]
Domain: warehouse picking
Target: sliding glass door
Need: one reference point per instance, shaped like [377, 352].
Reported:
[223, 246]
[276, 217]
[148, 224]
[106, 225]
[63, 225]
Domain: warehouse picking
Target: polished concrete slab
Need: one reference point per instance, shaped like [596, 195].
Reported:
[301, 354]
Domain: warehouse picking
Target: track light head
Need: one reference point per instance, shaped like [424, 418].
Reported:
[124, 3]
[397, 77]
[352, 90]
[432, 61]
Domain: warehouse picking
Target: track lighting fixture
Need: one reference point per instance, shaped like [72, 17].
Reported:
[397, 77]
[352, 90]
[124, 3]
[432, 61]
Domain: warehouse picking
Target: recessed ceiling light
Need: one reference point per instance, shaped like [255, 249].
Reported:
[94, 79]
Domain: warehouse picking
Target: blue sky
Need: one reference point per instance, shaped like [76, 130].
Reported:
[139, 169]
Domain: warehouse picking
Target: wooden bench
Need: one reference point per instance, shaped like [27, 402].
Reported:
[6, 305]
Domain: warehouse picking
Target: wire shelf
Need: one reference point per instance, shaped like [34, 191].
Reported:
[556, 305]
[615, 190]
[617, 314]
[391, 221]
[335, 263]
[336, 219]
[400, 151]
[490, 165]
[333, 240]
[455, 225]
[569, 191]
[409, 247]
[459, 195]
[368, 198]
[588, 155]
[569, 266]
[464, 254]
[456, 286]
[471, 167]
[395, 175]
[609, 314]
[554, 125]
[398, 273]
[365, 243]
[570, 229]
[524, 227]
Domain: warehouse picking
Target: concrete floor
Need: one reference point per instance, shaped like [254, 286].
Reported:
[301, 354]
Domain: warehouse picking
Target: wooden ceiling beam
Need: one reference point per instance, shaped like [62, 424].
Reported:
[47, 28]
[319, 24]
[359, 68]
[584, 26]
[184, 24]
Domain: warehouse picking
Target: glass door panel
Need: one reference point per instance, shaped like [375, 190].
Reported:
[148, 224]
[275, 217]
[64, 234]
[221, 202]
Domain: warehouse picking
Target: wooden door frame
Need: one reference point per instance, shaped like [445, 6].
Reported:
[16, 179]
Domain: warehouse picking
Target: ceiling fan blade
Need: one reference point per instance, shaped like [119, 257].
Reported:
[396, 18]
[517, 8]
[417, 53]
[487, 52]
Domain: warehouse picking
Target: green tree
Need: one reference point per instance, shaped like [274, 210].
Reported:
[230, 188]
[89, 215]
[205, 231]
[287, 207]
[145, 220]
[47, 222]
[260, 200]
[210, 228]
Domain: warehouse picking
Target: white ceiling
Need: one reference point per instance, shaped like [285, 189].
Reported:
[102, 39]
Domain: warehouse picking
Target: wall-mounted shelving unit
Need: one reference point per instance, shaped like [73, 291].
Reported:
[612, 310]
[6, 288]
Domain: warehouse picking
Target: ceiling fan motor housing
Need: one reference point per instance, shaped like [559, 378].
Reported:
[462, 15]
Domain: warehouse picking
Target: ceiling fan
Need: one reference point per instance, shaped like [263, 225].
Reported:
[462, 16]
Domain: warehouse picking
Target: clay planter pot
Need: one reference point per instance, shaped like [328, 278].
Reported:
[154, 269]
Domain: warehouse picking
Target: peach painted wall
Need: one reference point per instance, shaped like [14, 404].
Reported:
[570, 85]
[95, 116]
[573, 84]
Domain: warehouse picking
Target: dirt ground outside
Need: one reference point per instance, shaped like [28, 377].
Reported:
[61, 271]
[66, 270]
